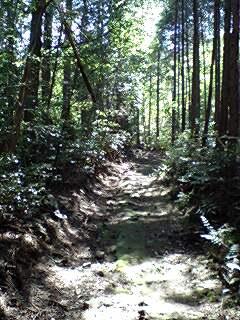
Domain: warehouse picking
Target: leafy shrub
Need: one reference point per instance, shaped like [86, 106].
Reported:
[44, 153]
[203, 176]
[207, 180]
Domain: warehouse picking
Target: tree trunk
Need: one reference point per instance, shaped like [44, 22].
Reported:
[218, 64]
[28, 93]
[67, 69]
[188, 86]
[46, 61]
[150, 108]
[158, 94]
[183, 69]
[214, 57]
[195, 125]
[174, 75]
[234, 103]
[229, 122]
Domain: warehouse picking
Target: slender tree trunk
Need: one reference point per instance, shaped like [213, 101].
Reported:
[31, 75]
[183, 127]
[46, 61]
[210, 92]
[230, 107]
[138, 140]
[234, 107]
[54, 71]
[226, 87]
[174, 75]
[218, 64]
[150, 108]
[195, 125]
[204, 67]
[178, 81]
[214, 58]
[28, 93]
[67, 70]
[10, 92]
[158, 93]
[188, 79]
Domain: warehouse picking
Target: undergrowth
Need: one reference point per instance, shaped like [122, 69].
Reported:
[49, 160]
[208, 188]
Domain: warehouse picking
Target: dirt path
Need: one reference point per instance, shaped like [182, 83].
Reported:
[148, 263]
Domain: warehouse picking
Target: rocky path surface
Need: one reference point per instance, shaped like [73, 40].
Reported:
[148, 262]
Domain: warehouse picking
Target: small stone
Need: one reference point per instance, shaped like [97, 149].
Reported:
[100, 254]
[86, 265]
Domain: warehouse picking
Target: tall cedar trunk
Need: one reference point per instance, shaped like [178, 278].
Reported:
[234, 106]
[54, 71]
[174, 125]
[86, 113]
[144, 118]
[31, 79]
[214, 57]
[178, 80]
[188, 80]
[183, 127]
[217, 64]
[195, 125]
[204, 66]
[10, 41]
[150, 108]
[229, 122]
[100, 31]
[226, 68]
[46, 61]
[67, 70]
[138, 140]
[28, 94]
[158, 94]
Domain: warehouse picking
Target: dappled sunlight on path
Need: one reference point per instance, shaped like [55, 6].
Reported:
[150, 262]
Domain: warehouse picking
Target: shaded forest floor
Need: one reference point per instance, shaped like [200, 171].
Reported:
[119, 249]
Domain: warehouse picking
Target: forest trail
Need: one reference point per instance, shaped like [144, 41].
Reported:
[148, 263]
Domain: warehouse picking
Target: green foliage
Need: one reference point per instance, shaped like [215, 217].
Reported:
[207, 182]
[227, 240]
[21, 188]
[201, 170]
[44, 152]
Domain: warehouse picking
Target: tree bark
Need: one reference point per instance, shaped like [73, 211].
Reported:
[217, 64]
[46, 61]
[183, 69]
[67, 69]
[158, 93]
[28, 93]
[214, 58]
[174, 75]
[195, 125]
